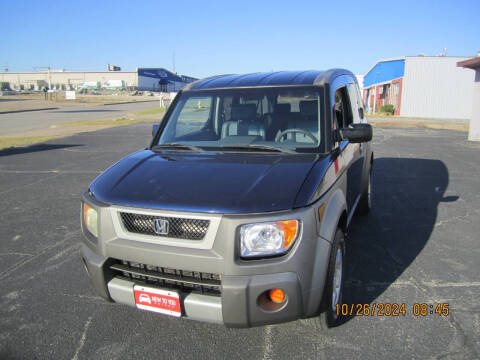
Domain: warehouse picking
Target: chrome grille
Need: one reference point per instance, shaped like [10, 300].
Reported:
[183, 280]
[180, 228]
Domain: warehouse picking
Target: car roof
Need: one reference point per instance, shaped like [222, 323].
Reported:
[277, 78]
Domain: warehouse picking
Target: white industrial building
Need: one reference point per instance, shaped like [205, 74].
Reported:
[153, 79]
[64, 80]
[474, 129]
[420, 86]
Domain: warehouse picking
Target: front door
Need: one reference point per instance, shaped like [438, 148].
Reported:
[346, 113]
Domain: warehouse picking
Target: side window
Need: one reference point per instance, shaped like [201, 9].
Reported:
[356, 103]
[342, 111]
[337, 122]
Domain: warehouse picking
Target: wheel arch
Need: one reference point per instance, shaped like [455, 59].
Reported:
[335, 216]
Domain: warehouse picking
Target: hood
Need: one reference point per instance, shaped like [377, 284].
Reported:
[205, 182]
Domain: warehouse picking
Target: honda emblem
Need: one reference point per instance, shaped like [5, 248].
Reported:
[161, 226]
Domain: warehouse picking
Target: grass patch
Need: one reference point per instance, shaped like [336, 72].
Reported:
[7, 142]
[113, 122]
[153, 111]
[383, 115]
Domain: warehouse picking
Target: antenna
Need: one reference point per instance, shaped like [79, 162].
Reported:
[173, 58]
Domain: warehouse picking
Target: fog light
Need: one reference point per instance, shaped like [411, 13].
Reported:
[272, 300]
[277, 296]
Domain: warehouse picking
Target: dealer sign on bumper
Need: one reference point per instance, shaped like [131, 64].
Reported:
[157, 300]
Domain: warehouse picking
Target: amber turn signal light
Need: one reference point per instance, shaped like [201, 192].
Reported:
[276, 295]
[86, 207]
[321, 212]
[290, 229]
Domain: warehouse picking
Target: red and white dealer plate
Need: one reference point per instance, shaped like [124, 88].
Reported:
[157, 300]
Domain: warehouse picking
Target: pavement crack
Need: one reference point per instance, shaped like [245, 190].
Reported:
[11, 269]
[15, 253]
[85, 297]
[73, 172]
[267, 343]
[420, 285]
[27, 185]
[453, 218]
[83, 338]
[463, 345]
[6, 171]
[463, 342]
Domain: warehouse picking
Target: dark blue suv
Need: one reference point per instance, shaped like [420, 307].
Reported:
[237, 212]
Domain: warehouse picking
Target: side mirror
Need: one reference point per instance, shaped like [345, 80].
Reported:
[356, 133]
[155, 129]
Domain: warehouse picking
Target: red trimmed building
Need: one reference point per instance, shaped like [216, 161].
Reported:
[420, 86]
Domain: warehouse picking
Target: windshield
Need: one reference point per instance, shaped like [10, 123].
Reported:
[263, 119]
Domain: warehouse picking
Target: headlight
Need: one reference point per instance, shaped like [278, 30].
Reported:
[269, 238]
[90, 219]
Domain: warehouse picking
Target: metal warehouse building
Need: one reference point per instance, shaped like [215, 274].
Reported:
[155, 79]
[152, 79]
[420, 86]
[64, 80]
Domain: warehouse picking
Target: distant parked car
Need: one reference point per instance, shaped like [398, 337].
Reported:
[7, 92]
[237, 212]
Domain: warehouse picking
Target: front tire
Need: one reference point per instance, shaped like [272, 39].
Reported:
[335, 278]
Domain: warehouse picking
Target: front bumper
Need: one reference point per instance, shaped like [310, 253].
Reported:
[300, 273]
[238, 305]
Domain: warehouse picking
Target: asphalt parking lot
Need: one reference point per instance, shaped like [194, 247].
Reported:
[418, 245]
[17, 124]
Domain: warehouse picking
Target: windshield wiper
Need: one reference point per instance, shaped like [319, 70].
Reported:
[258, 147]
[177, 146]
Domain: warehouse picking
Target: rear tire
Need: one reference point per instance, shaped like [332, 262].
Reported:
[332, 295]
